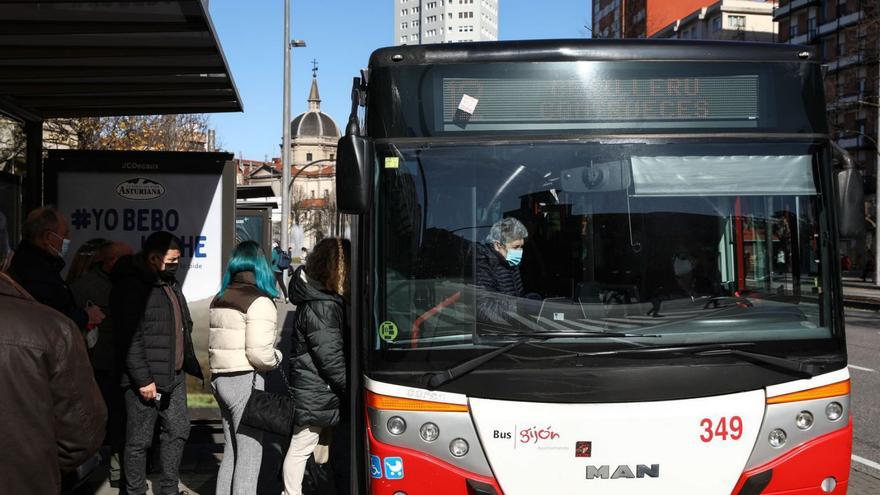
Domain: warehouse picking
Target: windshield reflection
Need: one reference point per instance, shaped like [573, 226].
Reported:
[686, 241]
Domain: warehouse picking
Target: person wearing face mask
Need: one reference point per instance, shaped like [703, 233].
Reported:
[497, 271]
[38, 263]
[154, 352]
[92, 286]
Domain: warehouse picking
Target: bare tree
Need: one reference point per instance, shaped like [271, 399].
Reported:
[184, 132]
[13, 145]
[298, 210]
[314, 216]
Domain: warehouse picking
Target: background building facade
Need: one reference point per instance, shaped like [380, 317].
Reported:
[845, 33]
[638, 18]
[731, 20]
[445, 21]
[314, 136]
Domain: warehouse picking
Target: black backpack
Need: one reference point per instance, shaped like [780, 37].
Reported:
[283, 260]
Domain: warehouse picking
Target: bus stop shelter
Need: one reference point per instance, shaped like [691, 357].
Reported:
[68, 58]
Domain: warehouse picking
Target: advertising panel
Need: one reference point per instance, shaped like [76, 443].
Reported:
[126, 196]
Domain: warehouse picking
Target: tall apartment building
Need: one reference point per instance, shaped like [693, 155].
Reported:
[732, 20]
[445, 21]
[845, 33]
[638, 18]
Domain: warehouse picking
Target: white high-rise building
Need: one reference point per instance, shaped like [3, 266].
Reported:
[445, 21]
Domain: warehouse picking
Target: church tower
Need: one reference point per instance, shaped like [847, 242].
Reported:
[314, 136]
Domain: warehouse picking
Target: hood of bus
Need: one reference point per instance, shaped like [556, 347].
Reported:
[668, 447]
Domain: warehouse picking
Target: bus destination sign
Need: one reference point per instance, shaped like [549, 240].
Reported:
[481, 104]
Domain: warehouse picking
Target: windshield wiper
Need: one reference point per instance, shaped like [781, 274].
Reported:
[797, 368]
[435, 379]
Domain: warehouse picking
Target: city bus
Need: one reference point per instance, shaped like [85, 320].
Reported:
[677, 324]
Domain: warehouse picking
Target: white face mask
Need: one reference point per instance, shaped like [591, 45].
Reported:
[65, 245]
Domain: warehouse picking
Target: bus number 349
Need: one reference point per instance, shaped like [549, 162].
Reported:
[732, 428]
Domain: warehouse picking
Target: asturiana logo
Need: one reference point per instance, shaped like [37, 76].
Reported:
[535, 434]
[140, 189]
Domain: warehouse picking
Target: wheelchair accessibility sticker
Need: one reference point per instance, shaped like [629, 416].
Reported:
[375, 466]
[394, 468]
[388, 331]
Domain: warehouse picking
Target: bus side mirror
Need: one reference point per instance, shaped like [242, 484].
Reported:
[851, 204]
[850, 196]
[354, 156]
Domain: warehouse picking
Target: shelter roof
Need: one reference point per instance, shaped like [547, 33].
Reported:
[253, 191]
[73, 58]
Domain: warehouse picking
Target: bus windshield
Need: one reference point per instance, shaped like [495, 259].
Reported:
[669, 243]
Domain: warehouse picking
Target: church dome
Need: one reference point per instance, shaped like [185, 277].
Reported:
[314, 123]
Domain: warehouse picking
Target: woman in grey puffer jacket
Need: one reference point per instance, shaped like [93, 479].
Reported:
[317, 366]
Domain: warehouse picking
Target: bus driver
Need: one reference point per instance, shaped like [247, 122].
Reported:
[497, 272]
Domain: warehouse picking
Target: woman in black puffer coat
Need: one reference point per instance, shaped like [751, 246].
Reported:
[317, 360]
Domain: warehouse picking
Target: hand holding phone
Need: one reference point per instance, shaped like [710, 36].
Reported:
[149, 392]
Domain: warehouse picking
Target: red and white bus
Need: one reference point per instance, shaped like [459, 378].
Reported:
[679, 326]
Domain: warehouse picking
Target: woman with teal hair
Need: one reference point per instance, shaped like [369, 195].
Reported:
[241, 346]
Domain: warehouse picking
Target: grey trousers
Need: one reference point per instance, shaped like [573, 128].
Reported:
[243, 449]
[141, 418]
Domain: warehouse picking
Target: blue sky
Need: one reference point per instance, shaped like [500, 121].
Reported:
[340, 34]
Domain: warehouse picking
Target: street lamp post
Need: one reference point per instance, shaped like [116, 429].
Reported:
[285, 145]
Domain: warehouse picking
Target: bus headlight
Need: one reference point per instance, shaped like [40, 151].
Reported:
[804, 420]
[828, 484]
[777, 438]
[459, 447]
[429, 432]
[396, 425]
[833, 411]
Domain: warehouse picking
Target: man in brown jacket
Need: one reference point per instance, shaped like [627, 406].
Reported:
[52, 415]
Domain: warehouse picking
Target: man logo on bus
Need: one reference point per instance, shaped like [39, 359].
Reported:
[388, 331]
[623, 472]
